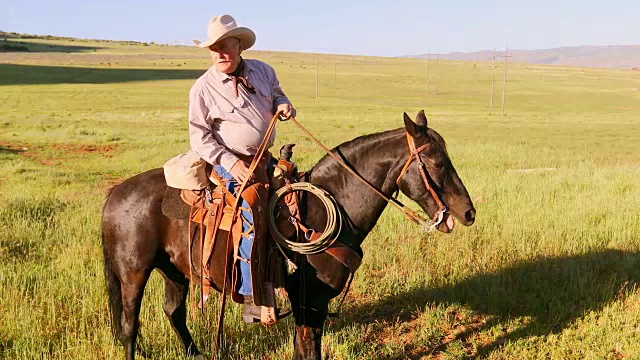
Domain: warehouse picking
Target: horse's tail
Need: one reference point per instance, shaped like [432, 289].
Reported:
[113, 288]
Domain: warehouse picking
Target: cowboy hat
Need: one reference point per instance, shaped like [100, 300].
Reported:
[224, 26]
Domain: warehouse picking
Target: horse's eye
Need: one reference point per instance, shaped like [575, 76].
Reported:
[438, 165]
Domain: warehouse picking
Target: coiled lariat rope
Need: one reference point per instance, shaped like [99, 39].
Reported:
[328, 235]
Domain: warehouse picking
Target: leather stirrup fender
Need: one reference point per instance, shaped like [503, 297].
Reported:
[346, 256]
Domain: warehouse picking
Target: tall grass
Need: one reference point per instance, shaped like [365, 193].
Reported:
[549, 270]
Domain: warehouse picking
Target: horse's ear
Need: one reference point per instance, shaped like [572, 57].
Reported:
[421, 119]
[412, 128]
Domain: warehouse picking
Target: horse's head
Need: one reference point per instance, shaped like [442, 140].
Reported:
[435, 168]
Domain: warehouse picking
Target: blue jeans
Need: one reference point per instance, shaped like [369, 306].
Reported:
[246, 242]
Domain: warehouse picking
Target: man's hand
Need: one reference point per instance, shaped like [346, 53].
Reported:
[287, 110]
[240, 170]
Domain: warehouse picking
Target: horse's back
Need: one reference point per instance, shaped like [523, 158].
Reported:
[137, 191]
[132, 217]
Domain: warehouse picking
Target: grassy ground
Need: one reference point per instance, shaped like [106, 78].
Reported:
[549, 270]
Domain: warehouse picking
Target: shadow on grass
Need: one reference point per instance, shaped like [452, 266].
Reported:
[553, 292]
[9, 150]
[12, 74]
[29, 46]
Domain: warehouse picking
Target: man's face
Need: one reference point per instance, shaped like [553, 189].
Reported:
[226, 54]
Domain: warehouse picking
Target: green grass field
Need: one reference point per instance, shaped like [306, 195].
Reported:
[548, 271]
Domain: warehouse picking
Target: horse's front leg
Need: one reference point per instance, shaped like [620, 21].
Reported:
[310, 305]
[307, 343]
[310, 290]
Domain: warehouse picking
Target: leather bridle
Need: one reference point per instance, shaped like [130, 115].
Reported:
[414, 154]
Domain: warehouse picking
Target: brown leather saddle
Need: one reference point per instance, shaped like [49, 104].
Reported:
[210, 214]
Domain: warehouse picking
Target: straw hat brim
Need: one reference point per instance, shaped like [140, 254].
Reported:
[246, 36]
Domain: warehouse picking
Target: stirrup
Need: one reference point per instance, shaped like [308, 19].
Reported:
[253, 313]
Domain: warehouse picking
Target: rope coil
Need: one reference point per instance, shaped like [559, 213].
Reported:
[330, 232]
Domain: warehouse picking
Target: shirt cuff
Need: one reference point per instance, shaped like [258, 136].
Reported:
[281, 101]
[227, 160]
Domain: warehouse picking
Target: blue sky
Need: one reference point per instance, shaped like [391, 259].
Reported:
[387, 28]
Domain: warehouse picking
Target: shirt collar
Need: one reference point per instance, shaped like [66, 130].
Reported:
[223, 78]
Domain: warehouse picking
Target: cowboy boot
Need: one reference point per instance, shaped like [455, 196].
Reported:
[252, 313]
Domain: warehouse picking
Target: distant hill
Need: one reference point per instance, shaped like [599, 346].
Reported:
[6, 37]
[614, 56]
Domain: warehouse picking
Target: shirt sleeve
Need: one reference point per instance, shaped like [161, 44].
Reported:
[279, 97]
[201, 136]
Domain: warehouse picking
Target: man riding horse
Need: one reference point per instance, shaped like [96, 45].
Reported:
[230, 107]
[229, 112]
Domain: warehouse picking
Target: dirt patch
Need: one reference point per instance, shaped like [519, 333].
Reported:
[86, 149]
[56, 154]
[462, 328]
[616, 355]
[111, 183]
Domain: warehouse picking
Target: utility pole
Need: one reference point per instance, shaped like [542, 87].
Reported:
[506, 57]
[493, 75]
[437, 72]
[504, 85]
[428, 61]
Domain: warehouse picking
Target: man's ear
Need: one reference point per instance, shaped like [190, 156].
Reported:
[412, 128]
[239, 44]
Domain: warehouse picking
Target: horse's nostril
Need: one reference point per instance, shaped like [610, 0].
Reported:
[470, 215]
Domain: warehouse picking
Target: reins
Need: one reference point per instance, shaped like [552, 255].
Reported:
[252, 168]
[414, 155]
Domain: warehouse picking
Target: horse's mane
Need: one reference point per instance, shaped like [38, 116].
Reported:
[357, 143]
[437, 138]
[378, 138]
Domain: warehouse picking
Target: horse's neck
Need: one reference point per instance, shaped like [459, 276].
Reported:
[375, 158]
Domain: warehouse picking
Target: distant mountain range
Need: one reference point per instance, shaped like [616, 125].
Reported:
[611, 56]
[614, 56]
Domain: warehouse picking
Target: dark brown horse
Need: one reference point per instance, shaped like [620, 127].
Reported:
[138, 238]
